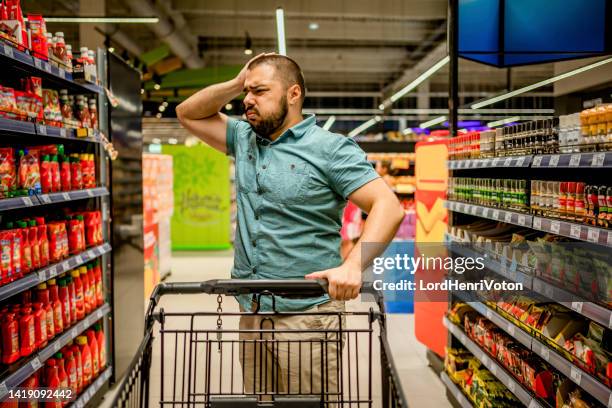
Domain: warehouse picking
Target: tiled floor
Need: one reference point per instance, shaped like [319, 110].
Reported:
[422, 387]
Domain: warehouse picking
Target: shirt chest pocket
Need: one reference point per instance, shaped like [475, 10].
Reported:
[287, 183]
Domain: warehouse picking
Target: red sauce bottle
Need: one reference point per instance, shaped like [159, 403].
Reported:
[27, 331]
[79, 366]
[40, 326]
[43, 241]
[56, 305]
[46, 175]
[101, 345]
[10, 339]
[34, 244]
[98, 279]
[79, 296]
[26, 249]
[65, 174]
[86, 359]
[56, 176]
[71, 370]
[64, 295]
[92, 341]
[53, 382]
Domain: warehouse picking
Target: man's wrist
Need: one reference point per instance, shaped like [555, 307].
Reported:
[352, 264]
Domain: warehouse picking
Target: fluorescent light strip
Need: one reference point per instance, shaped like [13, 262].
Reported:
[407, 131]
[421, 78]
[503, 121]
[117, 20]
[364, 126]
[280, 30]
[330, 121]
[540, 84]
[432, 122]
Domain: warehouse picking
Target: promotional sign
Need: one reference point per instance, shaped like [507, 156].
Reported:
[431, 183]
[201, 218]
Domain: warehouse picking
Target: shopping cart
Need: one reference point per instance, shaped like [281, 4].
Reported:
[208, 359]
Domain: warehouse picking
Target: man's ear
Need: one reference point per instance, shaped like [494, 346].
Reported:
[294, 94]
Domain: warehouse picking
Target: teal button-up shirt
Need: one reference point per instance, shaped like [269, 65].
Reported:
[290, 195]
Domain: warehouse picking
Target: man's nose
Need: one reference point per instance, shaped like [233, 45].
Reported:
[248, 100]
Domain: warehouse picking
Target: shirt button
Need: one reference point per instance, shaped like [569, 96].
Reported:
[263, 167]
[254, 270]
[254, 243]
[256, 217]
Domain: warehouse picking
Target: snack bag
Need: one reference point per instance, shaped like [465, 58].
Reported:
[29, 172]
[8, 172]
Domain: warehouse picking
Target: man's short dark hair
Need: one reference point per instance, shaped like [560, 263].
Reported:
[287, 68]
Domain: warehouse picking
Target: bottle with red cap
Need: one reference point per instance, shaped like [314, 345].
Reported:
[73, 304]
[71, 369]
[26, 249]
[78, 290]
[61, 369]
[92, 341]
[52, 382]
[98, 280]
[10, 338]
[27, 332]
[76, 352]
[34, 244]
[31, 383]
[43, 241]
[56, 304]
[101, 340]
[87, 365]
[87, 306]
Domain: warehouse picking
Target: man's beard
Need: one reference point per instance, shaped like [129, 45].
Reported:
[273, 122]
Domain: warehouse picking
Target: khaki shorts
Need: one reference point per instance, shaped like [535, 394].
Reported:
[295, 358]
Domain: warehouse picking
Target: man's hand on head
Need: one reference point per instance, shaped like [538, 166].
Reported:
[242, 75]
[344, 282]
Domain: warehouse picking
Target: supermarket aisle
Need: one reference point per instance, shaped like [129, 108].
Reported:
[423, 389]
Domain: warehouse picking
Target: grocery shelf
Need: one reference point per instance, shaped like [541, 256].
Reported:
[387, 147]
[86, 396]
[16, 126]
[574, 160]
[454, 389]
[49, 272]
[510, 161]
[580, 232]
[51, 198]
[15, 378]
[510, 217]
[82, 134]
[586, 381]
[515, 387]
[11, 55]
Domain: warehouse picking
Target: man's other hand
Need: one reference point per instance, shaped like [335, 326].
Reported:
[344, 281]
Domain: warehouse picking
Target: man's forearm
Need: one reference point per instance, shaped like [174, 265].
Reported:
[210, 100]
[379, 228]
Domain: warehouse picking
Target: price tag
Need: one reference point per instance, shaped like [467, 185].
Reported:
[598, 159]
[555, 226]
[610, 401]
[3, 389]
[609, 241]
[575, 231]
[507, 162]
[42, 129]
[495, 214]
[62, 73]
[474, 210]
[533, 404]
[593, 235]
[537, 285]
[511, 329]
[66, 196]
[537, 223]
[576, 375]
[27, 201]
[74, 333]
[79, 259]
[520, 161]
[90, 193]
[36, 364]
[47, 67]
[508, 217]
[485, 212]
[512, 386]
[610, 322]
[544, 352]
[79, 404]
[486, 361]
[549, 292]
[522, 220]
[42, 275]
[489, 314]
[537, 161]
[574, 160]
[56, 346]
[577, 306]
[463, 338]
[62, 132]
[86, 322]
[99, 314]
[496, 162]
[51, 271]
[493, 368]
[8, 51]
[45, 198]
[554, 160]
[65, 266]
[37, 63]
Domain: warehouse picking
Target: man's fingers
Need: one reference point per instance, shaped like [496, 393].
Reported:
[333, 290]
[316, 275]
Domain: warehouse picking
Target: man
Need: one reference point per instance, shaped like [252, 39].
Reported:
[292, 180]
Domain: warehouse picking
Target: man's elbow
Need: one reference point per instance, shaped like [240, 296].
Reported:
[399, 214]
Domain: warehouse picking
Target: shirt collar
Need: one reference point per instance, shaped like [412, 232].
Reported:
[297, 130]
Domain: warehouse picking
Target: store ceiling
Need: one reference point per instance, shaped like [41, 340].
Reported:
[358, 46]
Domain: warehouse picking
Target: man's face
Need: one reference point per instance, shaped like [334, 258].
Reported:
[265, 100]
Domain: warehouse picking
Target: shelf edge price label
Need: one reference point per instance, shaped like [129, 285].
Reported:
[575, 231]
[574, 160]
[537, 223]
[99, 314]
[511, 386]
[51, 271]
[74, 332]
[537, 161]
[609, 241]
[47, 67]
[576, 375]
[489, 314]
[485, 212]
[593, 235]
[544, 352]
[495, 214]
[66, 196]
[45, 198]
[36, 364]
[37, 63]
[577, 306]
[79, 259]
[555, 226]
[27, 201]
[522, 220]
[508, 217]
[62, 132]
[554, 160]
[507, 162]
[520, 161]
[56, 346]
[90, 193]
[511, 329]
[598, 159]
[3, 389]
[8, 51]
[42, 129]
[610, 401]
[65, 266]
[549, 291]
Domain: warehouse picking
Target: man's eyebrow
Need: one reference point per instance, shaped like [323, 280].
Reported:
[254, 87]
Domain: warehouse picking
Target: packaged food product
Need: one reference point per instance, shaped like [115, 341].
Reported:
[98, 280]
[92, 341]
[8, 172]
[76, 175]
[51, 108]
[27, 335]
[61, 373]
[10, 338]
[40, 326]
[65, 173]
[87, 365]
[55, 241]
[101, 345]
[52, 382]
[56, 305]
[79, 297]
[38, 35]
[64, 297]
[73, 298]
[71, 369]
[56, 180]
[46, 175]
[34, 243]
[76, 351]
[6, 256]
[29, 172]
[26, 249]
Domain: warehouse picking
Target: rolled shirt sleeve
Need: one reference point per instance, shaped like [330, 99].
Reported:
[349, 168]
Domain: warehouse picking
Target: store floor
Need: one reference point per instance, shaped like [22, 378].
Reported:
[422, 387]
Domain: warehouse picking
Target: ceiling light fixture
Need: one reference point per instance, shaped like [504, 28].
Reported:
[407, 131]
[161, 108]
[248, 44]
[229, 106]
[110, 20]
[165, 103]
[503, 121]
[280, 31]
[432, 122]
[142, 91]
[159, 115]
[156, 140]
[329, 122]
[364, 126]
[313, 26]
[418, 80]
[157, 80]
[172, 141]
[111, 49]
[528, 88]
